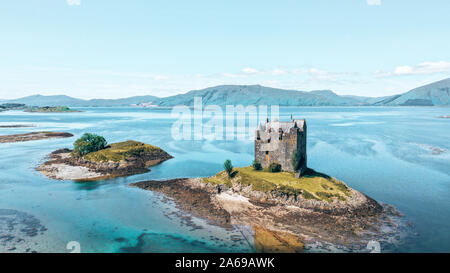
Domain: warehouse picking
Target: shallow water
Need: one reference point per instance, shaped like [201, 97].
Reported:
[399, 156]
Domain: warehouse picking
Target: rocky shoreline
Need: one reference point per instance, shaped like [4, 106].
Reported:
[16, 126]
[63, 166]
[33, 136]
[349, 225]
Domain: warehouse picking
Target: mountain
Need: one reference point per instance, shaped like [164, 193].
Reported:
[120, 102]
[433, 94]
[39, 100]
[368, 100]
[257, 94]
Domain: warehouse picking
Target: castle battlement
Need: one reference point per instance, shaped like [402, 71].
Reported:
[278, 141]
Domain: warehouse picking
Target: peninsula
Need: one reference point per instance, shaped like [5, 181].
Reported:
[92, 159]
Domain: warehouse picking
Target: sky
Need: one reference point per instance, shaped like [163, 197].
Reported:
[115, 48]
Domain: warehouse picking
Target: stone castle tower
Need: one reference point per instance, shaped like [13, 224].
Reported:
[276, 142]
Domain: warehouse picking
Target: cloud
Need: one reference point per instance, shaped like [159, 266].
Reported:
[278, 71]
[431, 67]
[73, 2]
[424, 68]
[231, 75]
[403, 70]
[373, 2]
[160, 77]
[312, 74]
[249, 70]
[322, 75]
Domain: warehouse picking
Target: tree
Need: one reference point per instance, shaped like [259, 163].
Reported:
[228, 167]
[274, 167]
[88, 143]
[256, 165]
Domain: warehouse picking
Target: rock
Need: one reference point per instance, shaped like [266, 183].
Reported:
[33, 136]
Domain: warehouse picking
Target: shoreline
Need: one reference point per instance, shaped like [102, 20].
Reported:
[16, 126]
[33, 136]
[62, 166]
[280, 225]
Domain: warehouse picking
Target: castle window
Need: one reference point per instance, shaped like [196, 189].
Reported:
[267, 152]
[268, 141]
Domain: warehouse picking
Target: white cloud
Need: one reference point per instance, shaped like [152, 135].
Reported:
[432, 67]
[424, 68]
[231, 75]
[249, 70]
[278, 71]
[160, 77]
[374, 2]
[323, 75]
[73, 2]
[403, 70]
[313, 73]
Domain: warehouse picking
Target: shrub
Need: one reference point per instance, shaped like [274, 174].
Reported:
[88, 143]
[228, 167]
[256, 165]
[274, 168]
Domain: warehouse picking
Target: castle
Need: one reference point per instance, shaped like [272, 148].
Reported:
[278, 142]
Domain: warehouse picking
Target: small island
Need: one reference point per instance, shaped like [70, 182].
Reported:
[285, 203]
[49, 109]
[36, 109]
[284, 211]
[93, 159]
[33, 136]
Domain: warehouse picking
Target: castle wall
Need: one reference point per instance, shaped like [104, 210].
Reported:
[281, 150]
[301, 147]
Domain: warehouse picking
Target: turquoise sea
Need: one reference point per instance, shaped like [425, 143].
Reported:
[397, 155]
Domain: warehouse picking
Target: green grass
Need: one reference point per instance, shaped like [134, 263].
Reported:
[312, 185]
[121, 151]
[221, 178]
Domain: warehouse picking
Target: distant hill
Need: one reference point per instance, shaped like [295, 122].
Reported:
[368, 100]
[434, 94]
[257, 94]
[39, 100]
[121, 102]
